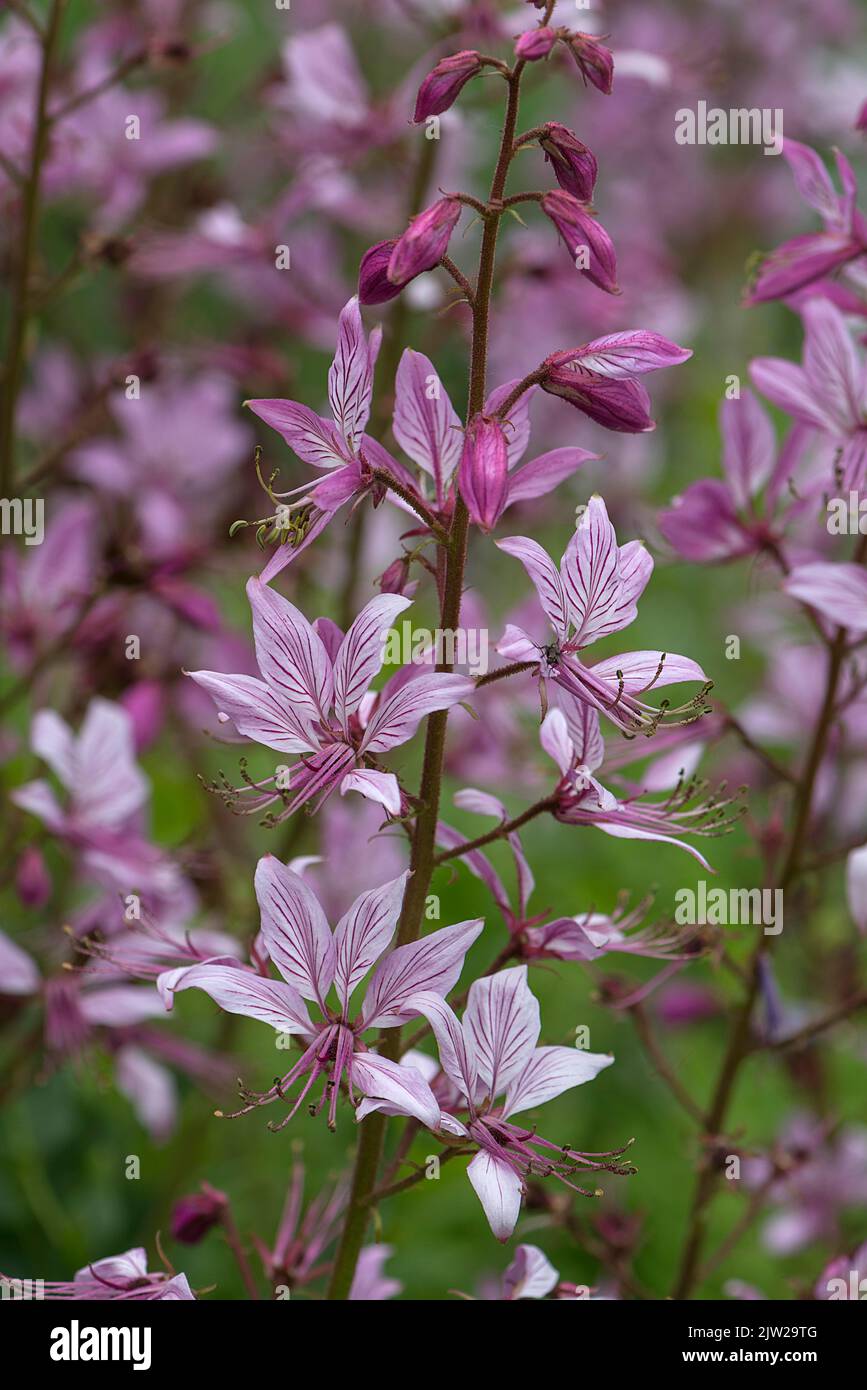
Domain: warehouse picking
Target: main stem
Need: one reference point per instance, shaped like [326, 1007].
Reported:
[423, 852]
[24, 258]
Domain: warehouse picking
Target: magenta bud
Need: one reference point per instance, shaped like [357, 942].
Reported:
[595, 61]
[443, 83]
[194, 1216]
[535, 44]
[861, 118]
[425, 241]
[587, 241]
[32, 879]
[574, 165]
[394, 579]
[374, 286]
[484, 471]
[616, 403]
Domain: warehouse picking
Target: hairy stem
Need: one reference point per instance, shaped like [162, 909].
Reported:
[423, 852]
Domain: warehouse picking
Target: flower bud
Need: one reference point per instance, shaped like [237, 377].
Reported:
[484, 471]
[424, 242]
[193, 1216]
[144, 702]
[535, 44]
[443, 84]
[585, 238]
[574, 166]
[618, 403]
[374, 286]
[32, 880]
[595, 61]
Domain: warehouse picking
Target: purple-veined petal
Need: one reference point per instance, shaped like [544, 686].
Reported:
[629, 354]
[361, 652]
[832, 364]
[315, 441]
[454, 1042]
[289, 653]
[240, 991]
[498, 1188]
[789, 388]
[404, 1087]
[255, 711]
[431, 964]
[619, 830]
[364, 932]
[590, 573]
[480, 803]
[812, 179]
[398, 717]
[530, 1275]
[425, 424]
[502, 1019]
[108, 784]
[838, 592]
[381, 787]
[350, 376]
[541, 475]
[555, 739]
[295, 929]
[543, 572]
[516, 645]
[582, 722]
[645, 670]
[749, 446]
[549, 1072]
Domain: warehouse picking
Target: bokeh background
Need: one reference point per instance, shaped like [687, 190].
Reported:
[298, 153]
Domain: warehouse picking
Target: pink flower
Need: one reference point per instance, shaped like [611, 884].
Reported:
[715, 520]
[425, 241]
[122, 1277]
[444, 83]
[313, 700]
[585, 238]
[484, 471]
[595, 61]
[493, 1053]
[535, 44]
[575, 745]
[338, 446]
[587, 936]
[428, 429]
[595, 592]
[312, 959]
[599, 377]
[828, 392]
[574, 165]
[807, 259]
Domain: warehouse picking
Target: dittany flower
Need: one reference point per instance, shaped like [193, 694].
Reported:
[312, 960]
[595, 592]
[123, 1277]
[492, 1053]
[807, 260]
[313, 700]
[577, 748]
[598, 378]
